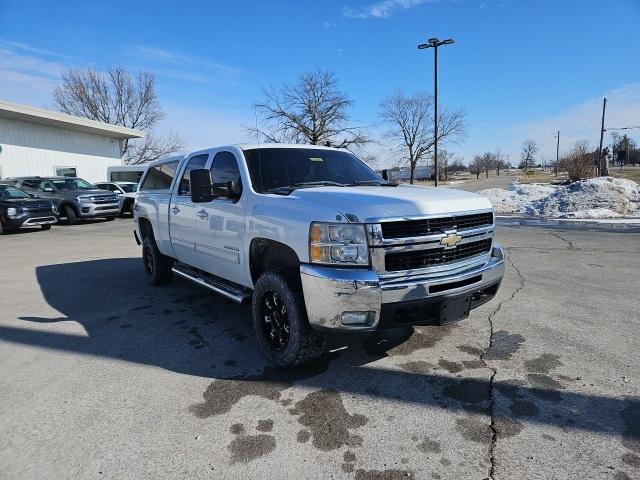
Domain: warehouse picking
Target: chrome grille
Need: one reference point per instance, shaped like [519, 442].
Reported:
[429, 226]
[430, 257]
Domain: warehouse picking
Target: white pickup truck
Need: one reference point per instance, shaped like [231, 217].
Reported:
[316, 241]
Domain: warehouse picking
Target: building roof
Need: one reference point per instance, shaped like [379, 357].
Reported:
[25, 113]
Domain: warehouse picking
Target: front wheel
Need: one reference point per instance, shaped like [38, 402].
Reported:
[280, 322]
[156, 265]
[70, 213]
[45, 227]
[110, 219]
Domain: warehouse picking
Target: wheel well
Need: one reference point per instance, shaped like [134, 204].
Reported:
[64, 205]
[270, 255]
[146, 230]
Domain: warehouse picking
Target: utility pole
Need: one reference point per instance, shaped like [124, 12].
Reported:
[602, 164]
[435, 43]
[557, 152]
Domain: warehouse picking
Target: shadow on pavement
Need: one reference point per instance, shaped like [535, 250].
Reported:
[185, 329]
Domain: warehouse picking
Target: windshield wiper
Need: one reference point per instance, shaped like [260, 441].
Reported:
[380, 183]
[320, 183]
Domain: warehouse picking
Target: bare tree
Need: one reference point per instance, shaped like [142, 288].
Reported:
[529, 150]
[578, 163]
[314, 111]
[117, 97]
[476, 166]
[410, 125]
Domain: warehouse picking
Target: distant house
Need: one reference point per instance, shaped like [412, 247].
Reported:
[40, 142]
[422, 172]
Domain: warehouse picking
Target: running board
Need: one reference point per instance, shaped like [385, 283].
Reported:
[217, 286]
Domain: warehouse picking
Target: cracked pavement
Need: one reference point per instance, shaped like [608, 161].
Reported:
[102, 376]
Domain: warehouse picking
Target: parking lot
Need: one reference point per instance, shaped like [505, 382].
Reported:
[102, 376]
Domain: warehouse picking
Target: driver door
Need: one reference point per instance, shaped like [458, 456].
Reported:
[220, 224]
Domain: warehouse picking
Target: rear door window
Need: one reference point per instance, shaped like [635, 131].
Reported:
[160, 177]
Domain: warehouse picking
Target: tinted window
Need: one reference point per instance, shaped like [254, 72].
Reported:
[12, 193]
[196, 162]
[271, 168]
[160, 176]
[30, 185]
[225, 168]
[73, 184]
[129, 176]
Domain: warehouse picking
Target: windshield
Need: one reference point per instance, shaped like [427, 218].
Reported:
[273, 168]
[10, 193]
[73, 184]
[128, 187]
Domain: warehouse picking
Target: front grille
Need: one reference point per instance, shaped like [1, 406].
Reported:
[409, 260]
[39, 209]
[428, 226]
[107, 199]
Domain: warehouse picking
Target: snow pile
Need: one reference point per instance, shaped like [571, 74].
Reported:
[603, 197]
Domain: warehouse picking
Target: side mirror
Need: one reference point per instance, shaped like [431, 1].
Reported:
[47, 189]
[385, 174]
[201, 186]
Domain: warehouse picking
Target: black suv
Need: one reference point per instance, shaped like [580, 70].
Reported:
[19, 209]
[74, 197]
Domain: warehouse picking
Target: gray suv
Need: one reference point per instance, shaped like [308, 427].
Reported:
[74, 197]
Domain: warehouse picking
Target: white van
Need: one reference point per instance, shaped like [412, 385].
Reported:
[125, 173]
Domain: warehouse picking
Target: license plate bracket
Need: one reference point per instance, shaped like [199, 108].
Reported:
[455, 309]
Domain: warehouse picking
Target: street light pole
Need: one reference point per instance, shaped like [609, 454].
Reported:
[435, 43]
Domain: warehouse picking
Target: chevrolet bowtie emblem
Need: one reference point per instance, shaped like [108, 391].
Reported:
[451, 240]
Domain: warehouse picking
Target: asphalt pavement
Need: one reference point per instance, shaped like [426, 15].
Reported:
[102, 376]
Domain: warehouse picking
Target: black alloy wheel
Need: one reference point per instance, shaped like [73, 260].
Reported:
[276, 320]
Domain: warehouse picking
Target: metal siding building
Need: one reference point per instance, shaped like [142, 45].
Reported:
[34, 141]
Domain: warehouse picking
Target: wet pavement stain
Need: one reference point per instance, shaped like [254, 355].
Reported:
[199, 338]
[472, 364]
[303, 436]
[504, 345]
[347, 467]
[507, 427]
[383, 474]
[235, 334]
[451, 367]
[324, 414]
[224, 393]
[546, 387]
[470, 350]
[429, 446]
[237, 428]
[631, 460]
[246, 448]
[405, 341]
[417, 367]
[523, 408]
[621, 476]
[349, 457]
[265, 425]
[543, 364]
[474, 430]
[444, 462]
[466, 391]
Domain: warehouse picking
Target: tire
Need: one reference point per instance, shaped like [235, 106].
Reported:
[278, 303]
[2, 229]
[110, 219]
[70, 213]
[156, 265]
[45, 227]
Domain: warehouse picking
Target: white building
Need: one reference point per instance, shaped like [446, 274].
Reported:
[39, 142]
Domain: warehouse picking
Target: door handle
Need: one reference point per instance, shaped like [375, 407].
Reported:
[203, 214]
[175, 210]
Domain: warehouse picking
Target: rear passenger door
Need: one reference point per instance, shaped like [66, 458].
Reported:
[220, 224]
[182, 213]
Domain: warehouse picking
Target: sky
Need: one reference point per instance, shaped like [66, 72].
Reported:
[520, 69]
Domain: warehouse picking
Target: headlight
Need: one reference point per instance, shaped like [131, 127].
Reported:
[54, 209]
[84, 199]
[14, 212]
[342, 244]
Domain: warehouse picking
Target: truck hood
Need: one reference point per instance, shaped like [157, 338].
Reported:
[29, 202]
[362, 204]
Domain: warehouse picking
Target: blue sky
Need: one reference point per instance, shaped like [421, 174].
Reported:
[519, 68]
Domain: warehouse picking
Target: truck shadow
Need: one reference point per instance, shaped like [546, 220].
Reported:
[188, 330]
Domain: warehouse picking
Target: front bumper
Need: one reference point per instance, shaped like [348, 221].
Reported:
[29, 220]
[358, 300]
[99, 209]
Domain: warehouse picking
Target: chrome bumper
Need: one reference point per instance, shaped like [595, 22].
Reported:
[99, 209]
[336, 297]
[46, 220]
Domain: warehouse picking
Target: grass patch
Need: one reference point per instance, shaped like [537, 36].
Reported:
[630, 173]
[541, 177]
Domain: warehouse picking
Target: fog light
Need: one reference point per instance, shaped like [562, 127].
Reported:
[358, 318]
[85, 209]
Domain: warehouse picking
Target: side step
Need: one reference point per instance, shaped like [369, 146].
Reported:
[210, 282]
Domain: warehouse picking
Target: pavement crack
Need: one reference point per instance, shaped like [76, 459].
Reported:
[568, 242]
[494, 371]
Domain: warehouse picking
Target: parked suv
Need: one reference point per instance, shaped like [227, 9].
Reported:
[19, 209]
[316, 241]
[74, 197]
